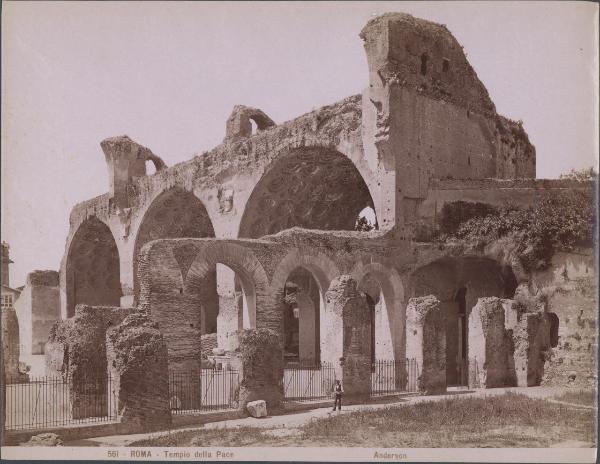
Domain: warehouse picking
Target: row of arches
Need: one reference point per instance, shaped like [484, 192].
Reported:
[299, 284]
[291, 300]
[316, 188]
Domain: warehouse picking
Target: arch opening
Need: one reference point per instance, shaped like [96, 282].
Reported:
[458, 283]
[366, 220]
[151, 168]
[177, 213]
[313, 188]
[237, 298]
[93, 267]
[382, 324]
[302, 306]
[240, 284]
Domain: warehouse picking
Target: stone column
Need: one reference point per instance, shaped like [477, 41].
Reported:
[488, 344]
[426, 342]
[346, 341]
[259, 359]
[138, 374]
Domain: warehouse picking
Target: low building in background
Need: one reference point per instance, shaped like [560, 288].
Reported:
[38, 308]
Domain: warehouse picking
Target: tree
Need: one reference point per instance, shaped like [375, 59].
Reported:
[363, 224]
[581, 175]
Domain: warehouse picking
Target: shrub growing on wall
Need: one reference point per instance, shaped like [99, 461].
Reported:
[260, 350]
[455, 213]
[560, 221]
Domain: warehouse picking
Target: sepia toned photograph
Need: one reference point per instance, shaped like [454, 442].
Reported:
[300, 231]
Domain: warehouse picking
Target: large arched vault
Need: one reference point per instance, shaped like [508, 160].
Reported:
[313, 188]
[92, 267]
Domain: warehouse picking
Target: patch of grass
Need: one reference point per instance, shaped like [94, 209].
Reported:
[507, 420]
[510, 420]
[585, 397]
[240, 436]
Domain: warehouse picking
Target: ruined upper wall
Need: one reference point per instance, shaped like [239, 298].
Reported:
[424, 56]
[432, 111]
[240, 152]
[425, 116]
[466, 137]
[43, 278]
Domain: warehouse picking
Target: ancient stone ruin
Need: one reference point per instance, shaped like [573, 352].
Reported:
[258, 234]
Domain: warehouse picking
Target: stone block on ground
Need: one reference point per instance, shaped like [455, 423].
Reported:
[257, 408]
[44, 439]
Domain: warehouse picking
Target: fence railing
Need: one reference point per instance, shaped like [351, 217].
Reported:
[307, 381]
[46, 402]
[205, 390]
[391, 376]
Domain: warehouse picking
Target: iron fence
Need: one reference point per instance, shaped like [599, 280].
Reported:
[391, 376]
[308, 381]
[45, 402]
[205, 390]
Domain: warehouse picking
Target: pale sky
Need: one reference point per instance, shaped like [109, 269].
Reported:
[168, 75]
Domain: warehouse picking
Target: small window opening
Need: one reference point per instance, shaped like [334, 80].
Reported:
[469, 160]
[366, 220]
[254, 126]
[424, 64]
[446, 65]
[150, 168]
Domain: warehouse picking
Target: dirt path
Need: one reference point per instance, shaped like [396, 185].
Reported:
[294, 420]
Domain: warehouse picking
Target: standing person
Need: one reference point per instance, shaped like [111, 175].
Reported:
[338, 391]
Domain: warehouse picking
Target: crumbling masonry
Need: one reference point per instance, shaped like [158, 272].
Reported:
[263, 225]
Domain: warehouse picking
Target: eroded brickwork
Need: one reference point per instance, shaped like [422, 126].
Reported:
[138, 366]
[346, 340]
